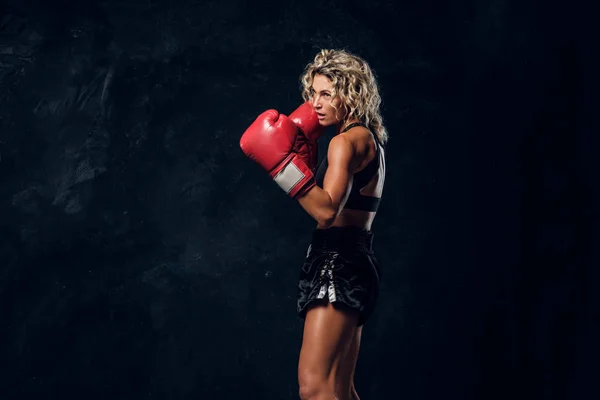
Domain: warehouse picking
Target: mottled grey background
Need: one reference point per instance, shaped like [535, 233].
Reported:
[143, 256]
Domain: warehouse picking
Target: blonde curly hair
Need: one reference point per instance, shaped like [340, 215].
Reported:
[353, 82]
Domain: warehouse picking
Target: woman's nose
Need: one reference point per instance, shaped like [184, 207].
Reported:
[315, 101]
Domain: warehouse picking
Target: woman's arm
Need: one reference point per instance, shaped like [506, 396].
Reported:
[325, 204]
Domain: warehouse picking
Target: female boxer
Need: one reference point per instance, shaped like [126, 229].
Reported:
[339, 279]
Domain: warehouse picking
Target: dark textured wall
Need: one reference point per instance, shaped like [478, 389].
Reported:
[142, 255]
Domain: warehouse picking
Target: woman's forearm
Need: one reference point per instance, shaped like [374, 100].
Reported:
[318, 204]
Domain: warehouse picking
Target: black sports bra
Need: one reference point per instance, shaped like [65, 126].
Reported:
[356, 200]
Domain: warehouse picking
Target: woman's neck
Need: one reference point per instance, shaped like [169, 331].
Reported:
[342, 125]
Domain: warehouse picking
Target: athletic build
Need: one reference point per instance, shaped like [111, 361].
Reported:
[339, 279]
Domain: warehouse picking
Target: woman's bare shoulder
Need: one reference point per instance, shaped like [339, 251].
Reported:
[361, 138]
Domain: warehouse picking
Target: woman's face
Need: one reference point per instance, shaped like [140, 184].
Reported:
[322, 93]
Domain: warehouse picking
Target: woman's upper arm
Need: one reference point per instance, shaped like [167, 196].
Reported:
[342, 161]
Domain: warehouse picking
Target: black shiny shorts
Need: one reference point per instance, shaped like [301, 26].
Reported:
[340, 267]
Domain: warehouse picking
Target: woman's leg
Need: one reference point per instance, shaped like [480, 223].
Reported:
[345, 382]
[328, 333]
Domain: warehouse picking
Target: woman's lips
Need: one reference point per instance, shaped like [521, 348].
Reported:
[320, 116]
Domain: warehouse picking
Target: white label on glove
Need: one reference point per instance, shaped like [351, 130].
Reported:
[288, 177]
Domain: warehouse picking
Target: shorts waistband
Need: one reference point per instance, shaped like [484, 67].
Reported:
[347, 238]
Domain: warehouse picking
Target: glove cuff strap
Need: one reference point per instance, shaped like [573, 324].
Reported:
[294, 176]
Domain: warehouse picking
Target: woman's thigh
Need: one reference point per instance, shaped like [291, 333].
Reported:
[328, 332]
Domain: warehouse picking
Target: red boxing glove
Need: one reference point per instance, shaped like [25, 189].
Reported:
[306, 119]
[270, 141]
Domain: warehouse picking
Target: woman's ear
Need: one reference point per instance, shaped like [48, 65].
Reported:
[342, 112]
